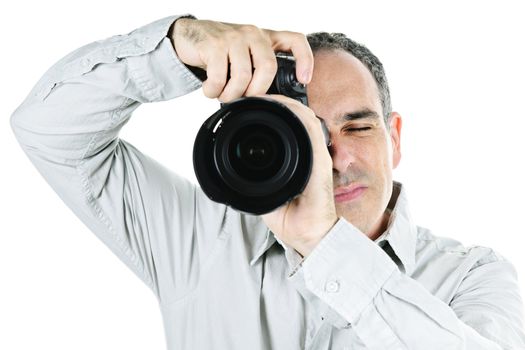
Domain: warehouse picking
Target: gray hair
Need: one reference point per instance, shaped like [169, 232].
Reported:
[338, 41]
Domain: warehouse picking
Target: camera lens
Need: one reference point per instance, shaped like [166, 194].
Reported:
[253, 154]
[256, 152]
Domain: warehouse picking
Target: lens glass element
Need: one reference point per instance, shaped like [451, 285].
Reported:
[256, 152]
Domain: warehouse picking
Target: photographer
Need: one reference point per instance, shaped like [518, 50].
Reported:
[341, 265]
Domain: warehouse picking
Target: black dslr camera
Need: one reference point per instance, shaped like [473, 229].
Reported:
[254, 154]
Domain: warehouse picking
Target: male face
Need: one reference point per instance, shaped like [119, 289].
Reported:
[364, 151]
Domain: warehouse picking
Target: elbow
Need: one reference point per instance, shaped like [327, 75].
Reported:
[22, 126]
[14, 121]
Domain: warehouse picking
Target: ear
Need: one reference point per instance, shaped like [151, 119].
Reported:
[395, 135]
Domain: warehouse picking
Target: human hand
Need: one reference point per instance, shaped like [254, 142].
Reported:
[304, 221]
[248, 51]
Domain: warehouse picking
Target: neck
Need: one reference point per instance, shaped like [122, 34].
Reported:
[380, 227]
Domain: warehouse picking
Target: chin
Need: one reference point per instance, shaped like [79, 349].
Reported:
[359, 215]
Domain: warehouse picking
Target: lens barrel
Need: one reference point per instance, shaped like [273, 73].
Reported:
[253, 154]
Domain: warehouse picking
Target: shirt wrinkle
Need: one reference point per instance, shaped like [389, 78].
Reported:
[221, 281]
[401, 240]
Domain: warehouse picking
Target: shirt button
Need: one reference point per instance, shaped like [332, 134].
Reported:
[332, 287]
[85, 61]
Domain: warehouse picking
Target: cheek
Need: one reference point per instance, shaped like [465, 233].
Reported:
[375, 159]
[375, 156]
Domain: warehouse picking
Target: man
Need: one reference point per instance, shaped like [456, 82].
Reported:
[342, 266]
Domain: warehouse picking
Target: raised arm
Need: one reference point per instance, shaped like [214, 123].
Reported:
[69, 124]
[159, 224]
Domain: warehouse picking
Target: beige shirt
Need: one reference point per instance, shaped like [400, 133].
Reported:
[221, 279]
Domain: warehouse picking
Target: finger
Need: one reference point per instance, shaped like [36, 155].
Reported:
[217, 72]
[313, 127]
[301, 50]
[305, 114]
[240, 71]
[265, 68]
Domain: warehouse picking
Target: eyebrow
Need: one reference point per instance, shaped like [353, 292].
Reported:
[360, 114]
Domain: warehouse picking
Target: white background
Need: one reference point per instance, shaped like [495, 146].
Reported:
[456, 72]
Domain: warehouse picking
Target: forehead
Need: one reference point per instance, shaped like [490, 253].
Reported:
[341, 84]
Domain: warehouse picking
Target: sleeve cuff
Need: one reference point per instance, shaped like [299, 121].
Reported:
[156, 69]
[346, 270]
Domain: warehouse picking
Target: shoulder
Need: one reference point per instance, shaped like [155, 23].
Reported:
[429, 245]
[444, 265]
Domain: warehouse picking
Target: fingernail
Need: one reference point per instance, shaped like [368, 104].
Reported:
[306, 76]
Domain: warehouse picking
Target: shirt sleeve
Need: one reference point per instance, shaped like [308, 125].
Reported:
[68, 125]
[364, 289]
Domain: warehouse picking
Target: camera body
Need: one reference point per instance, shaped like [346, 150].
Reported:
[254, 154]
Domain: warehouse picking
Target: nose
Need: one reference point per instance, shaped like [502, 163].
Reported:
[342, 156]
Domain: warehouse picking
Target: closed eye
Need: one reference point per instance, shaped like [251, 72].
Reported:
[358, 129]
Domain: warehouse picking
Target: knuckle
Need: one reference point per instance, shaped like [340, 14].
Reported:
[215, 83]
[269, 65]
[209, 92]
[216, 79]
[212, 49]
[223, 97]
[243, 74]
[292, 34]
[298, 105]
[298, 37]
[213, 87]
[249, 29]
[316, 121]
[302, 36]
[226, 97]
[229, 35]
[312, 127]
[308, 116]
[219, 44]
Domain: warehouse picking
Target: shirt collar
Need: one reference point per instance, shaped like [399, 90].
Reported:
[400, 234]
[267, 242]
[257, 236]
